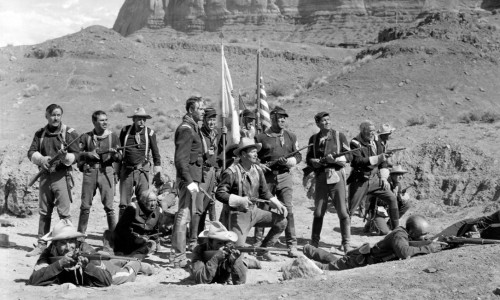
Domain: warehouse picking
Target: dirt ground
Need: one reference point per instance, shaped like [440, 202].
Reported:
[434, 86]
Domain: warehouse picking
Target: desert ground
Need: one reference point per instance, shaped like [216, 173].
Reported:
[436, 82]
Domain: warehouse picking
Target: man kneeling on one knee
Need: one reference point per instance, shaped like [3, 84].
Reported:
[241, 186]
[216, 261]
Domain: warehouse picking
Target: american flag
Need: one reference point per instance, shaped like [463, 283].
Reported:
[265, 117]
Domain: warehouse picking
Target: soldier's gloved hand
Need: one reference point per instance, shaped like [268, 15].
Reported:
[239, 202]
[67, 261]
[44, 162]
[92, 154]
[223, 130]
[275, 203]
[193, 187]
[82, 261]
[329, 159]
[437, 246]
[316, 163]
[282, 161]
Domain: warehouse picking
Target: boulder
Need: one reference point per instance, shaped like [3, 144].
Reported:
[301, 267]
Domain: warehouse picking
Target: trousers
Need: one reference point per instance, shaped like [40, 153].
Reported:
[130, 179]
[182, 218]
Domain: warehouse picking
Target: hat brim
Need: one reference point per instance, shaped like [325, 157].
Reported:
[398, 172]
[72, 235]
[140, 116]
[227, 236]
[256, 145]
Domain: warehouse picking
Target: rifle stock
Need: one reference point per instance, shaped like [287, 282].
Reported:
[94, 256]
[392, 151]
[272, 163]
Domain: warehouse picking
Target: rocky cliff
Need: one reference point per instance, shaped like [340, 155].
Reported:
[281, 15]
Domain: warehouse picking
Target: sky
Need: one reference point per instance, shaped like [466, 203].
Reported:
[27, 22]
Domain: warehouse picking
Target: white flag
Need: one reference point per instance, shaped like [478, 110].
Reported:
[228, 108]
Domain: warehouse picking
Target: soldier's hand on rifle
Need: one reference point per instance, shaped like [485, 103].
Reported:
[67, 261]
[282, 161]
[92, 154]
[141, 239]
[82, 261]
[330, 159]
[44, 162]
[223, 130]
[437, 246]
[316, 163]
[193, 187]
[239, 202]
[276, 204]
[264, 167]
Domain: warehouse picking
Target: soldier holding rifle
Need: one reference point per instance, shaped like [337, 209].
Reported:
[53, 149]
[277, 142]
[68, 260]
[98, 153]
[328, 167]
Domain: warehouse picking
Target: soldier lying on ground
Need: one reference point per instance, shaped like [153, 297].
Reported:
[215, 261]
[140, 227]
[396, 245]
[486, 227]
[61, 262]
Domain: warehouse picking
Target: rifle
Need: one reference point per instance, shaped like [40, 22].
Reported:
[93, 256]
[210, 253]
[392, 151]
[100, 152]
[403, 191]
[273, 162]
[336, 155]
[52, 161]
[458, 241]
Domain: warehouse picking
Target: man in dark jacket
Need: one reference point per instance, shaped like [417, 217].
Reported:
[370, 173]
[97, 155]
[485, 227]
[188, 159]
[276, 144]
[401, 243]
[56, 182]
[140, 220]
[215, 261]
[136, 166]
[60, 263]
[330, 177]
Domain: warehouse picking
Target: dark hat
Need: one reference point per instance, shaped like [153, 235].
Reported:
[279, 111]
[320, 115]
[248, 114]
[210, 112]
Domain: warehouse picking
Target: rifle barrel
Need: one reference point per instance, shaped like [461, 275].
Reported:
[272, 163]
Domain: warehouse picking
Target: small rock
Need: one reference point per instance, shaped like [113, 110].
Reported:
[410, 64]
[13, 58]
[466, 73]
[407, 81]
[430, 270]
[301, 267]
[110, 75]
[481, 89]
[418, 95]
[131, 76]
[467, 98]
[113, 90]
[143, 87]
[401, 84]
[497, 291]
[368, 108]
[135, 88]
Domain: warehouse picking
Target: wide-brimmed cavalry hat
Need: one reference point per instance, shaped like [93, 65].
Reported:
[247, 143]
[210, 112]
[141, 113]
[4, 241]
[398, 170]
[248, 114]
[385, 129]
[63, 230]
[279, 111]
[217, 231]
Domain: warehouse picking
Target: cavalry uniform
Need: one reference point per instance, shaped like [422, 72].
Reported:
[98, 174]
[189, 164]
[330, 182]
[135, 165]
[55, 185]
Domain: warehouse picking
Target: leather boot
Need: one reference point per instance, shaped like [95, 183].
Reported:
[83, 220]
[193, 231]
[316, 231]
[318, 254]
[394, 215]
[111, 218]
[345, 231]
[291, 238]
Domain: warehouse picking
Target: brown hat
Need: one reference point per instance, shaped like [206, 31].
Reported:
[4, 241]
[398, 170]
[210, 112]
[385, 129]
[279, 111]
[247, 143]
[141, 113]
[248, 114]
[63, 230]
[217, 231]
[320, 115]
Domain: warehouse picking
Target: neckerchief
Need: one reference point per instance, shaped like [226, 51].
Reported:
[249, 179]
[96, 137]
[279, 135]
[211, 135]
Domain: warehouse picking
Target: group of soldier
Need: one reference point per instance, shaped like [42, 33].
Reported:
[256, 189]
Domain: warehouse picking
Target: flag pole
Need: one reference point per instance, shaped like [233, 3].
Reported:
[258, 126]
[223, 89]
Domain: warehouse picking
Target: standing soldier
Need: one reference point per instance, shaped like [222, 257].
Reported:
[188, 163]
[330, 177]
[98, 153]
[276, 143]
[248, 122]
[210, 142]
[135, 166]
[56, 181]
[370, 173]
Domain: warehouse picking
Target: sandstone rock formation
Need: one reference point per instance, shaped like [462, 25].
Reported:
[212, 15]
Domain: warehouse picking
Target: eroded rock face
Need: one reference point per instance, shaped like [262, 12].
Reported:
[212, 15]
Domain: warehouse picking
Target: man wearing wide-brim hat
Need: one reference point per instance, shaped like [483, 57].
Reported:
[241, 185]
[60, 263]
[379, 222]
[248, 124]
[214, 261]
[136, 165]
[278, 142]
[384, 134]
